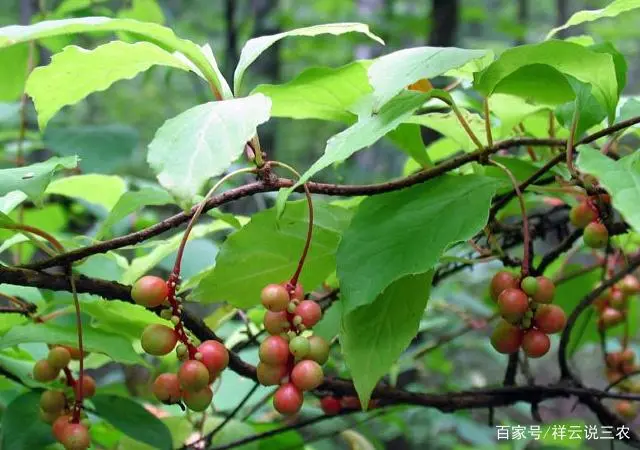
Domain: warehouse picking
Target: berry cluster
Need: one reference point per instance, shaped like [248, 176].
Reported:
[62, 408]
[620, 364]
[201, 365]
[586, 215]
[527, 315]
[611, 307]
[290, 357]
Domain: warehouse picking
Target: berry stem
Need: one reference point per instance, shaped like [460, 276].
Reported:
[69, 377]
[487, 122]
[570, 144]
[526, 237]
[28, 230]
[80, 387]
[307, 244]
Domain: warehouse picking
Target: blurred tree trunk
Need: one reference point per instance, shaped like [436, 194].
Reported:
[268, 65]
[562, 15]
[27, 9]
[231, 48]
[523, 19]
[444, 23]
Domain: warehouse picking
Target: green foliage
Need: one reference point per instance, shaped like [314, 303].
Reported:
[21, 424]
[208, 138]
[83, 187]
[613, 9]
[134, 420]
[34, 179]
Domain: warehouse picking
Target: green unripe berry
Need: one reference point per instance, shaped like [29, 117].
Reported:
[529, 285]
[52, 401]
[44, 372]
[318, 349]
[59, 357]
[166, 314]
[175, 320]
[198, 401]
[299, 346]
[595, 235]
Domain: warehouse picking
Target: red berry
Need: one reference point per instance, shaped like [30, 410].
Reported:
[318, 349]
[595, 235]
[535, 343]
[610, 317]
[59, 357]
[550, 319]
[513, 304]
[330, 405]
[274, 297]
[158, 339]
[506, 338]
[75, 352]
[287, 399]
[274, 351]
[52, 401]
[149, 291]
[193, 375]
[166, 388]
[626, 409]
[214, 356]
[276, 323]
[75, 436]
[501, 281]
[88, 386]
[307, 375]
[44, 372]
[310, 312]
[295, 293]
[351, 402]
[198, 400]
[59, 424]
[270, 375]
[618, 299]
[630, 285]
[613, 359]
[627, 355]
[49, 417]
[582, 215]
[545, 292]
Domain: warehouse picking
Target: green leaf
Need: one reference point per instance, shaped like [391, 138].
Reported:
[22, 427]
[362, 134]
[103, 190]
[620, 178]
[233, 431]
[611, 10]
[11, 200]
[590, 110]
[392, 73]
[34, 179]
[133, 420]
[201, 57]
[618, 60]
[203, 141]
[536, 72]
[255, 47]
[319, 93]
[141, 265]
[329, 326]
[267, 251]
[133, 201]
[120, 317]
[374, 336]
[14, 72]
[75, 73]
[376, 251]
[117, 347]
[143, 10]
[178, 426]
[407, 137]
[511, 110]
[101, 148]
[449, 126]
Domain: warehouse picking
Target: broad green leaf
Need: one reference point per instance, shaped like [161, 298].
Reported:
[233, 431]
[133, 201]
[11, 200]
[143, 10]
[120, 317]
[178, 426]
[364, 133]
[203, 141]
[14, 72]
[267, 251]
[103, 190]
[611, 10]
[618, 60]
[591, 112]
[319, 93]
[101, 148]
[392, 73]
[511, 110]
[22, 427]
[449, 126]
[255, 47]
[407, 137]
[67, 7]
[75, 73]
[475, 65]
[374, 335]
[620, 178]
[133, 420]
[34, 179]
[200, 57]
[375, 251]
[117, 347]
[288, 440]
[536, 72]
[329, 325]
